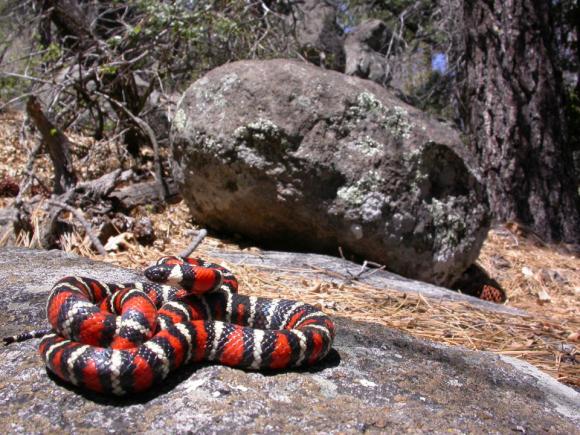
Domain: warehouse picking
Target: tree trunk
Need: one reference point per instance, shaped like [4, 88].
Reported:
[515, 116]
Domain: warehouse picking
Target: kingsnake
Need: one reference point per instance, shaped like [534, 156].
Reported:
[140, 332]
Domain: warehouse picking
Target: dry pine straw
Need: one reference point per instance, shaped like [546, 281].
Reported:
[543, 338]
[545, 281]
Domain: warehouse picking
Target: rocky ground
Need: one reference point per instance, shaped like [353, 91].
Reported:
[375, 379]
[543, 280]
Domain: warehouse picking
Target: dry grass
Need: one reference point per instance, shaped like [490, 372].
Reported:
[543, 280]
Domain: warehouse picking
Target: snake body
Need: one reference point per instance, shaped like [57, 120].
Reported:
[123, 338]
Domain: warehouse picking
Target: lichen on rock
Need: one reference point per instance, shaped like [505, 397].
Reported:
[450, 227]
[395, 120]
[261, 130]
[355, 194]
[364, 199]
[368, 146]
[228, 81]
[180, 120]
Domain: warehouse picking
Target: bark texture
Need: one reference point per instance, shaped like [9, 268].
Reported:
[514, 96]
[68, 18]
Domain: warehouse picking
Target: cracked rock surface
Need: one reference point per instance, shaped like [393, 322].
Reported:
[375, 380]
[298, 157]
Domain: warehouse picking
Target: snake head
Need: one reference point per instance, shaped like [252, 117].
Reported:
[196, 280]
[160, 273]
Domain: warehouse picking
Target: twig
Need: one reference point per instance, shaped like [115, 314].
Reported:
[15, 99]
[96, 242]
[363, 269]
[194, 243]
[28, 170]
[163, 188]
[25, 77]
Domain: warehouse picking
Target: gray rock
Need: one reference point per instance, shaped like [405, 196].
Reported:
[376, 380]
[318, 35]
[291, 155]
[367, 49]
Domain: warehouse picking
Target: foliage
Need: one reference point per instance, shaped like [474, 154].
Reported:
[124, 53]
[422, 31]
[106, 58]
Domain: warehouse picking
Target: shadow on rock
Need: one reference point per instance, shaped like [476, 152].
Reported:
[168, 384]
[177, 377]
[331, 360]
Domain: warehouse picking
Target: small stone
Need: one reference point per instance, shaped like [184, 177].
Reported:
[143, 231]
[366, 383]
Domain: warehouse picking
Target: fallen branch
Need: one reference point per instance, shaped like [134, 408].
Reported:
[129, 197]
[162, 185]
[57, 145]
[96, 242]
[194, 243]
[102, 186]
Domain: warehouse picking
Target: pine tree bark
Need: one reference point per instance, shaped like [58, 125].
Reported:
[515, 116]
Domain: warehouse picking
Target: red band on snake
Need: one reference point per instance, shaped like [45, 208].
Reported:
[124, 338]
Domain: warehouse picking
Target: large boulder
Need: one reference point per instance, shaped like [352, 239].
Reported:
[375, 379]
[292, 155]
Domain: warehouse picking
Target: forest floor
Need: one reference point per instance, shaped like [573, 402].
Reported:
[543, 280]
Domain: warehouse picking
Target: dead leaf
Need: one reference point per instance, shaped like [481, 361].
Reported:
[543, 296]
[528, 272]
[120, 242]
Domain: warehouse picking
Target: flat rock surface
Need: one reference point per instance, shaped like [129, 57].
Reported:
[339, 270]
[375, 380]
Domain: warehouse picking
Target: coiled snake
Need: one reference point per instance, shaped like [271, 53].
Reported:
[123, 338]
